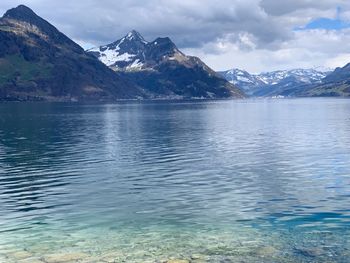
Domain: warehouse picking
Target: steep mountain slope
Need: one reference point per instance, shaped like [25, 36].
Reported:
[163, 70]
[281, 82]
[37, 62]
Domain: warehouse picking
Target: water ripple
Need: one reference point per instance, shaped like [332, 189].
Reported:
[269, 166]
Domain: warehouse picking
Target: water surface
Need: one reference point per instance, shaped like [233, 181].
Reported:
[225, 181]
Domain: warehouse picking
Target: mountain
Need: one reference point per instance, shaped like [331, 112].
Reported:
[124, 54]
[335, 84]
[281, 82]
[162, 70]
[37, 62]
[243, 79]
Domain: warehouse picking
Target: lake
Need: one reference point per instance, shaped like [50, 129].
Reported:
[206, 181]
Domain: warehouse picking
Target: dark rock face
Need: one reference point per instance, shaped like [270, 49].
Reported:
[37, 62]
[171, 79]
[162, 70]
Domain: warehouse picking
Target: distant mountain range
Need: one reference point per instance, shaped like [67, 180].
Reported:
[162, 70]
[317, 82]
[37, 62]
[275, 83]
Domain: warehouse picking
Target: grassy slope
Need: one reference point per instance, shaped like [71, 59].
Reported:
[329, 90]
[14, 68]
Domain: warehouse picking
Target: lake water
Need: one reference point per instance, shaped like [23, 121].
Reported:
[219, 181]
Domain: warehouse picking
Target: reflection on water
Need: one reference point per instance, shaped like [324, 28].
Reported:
[229, 181]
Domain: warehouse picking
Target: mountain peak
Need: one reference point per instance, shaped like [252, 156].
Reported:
[23, 14]
[20, 12]
[134, 52]
[133, 35]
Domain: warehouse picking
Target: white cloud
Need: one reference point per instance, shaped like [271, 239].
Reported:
[256, 35]
[338, 61]
[306, 49]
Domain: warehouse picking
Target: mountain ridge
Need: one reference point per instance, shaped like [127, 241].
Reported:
[38, 62]
[163, 70]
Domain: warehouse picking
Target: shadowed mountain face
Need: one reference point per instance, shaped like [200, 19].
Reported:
[163, 70]
[37, 62]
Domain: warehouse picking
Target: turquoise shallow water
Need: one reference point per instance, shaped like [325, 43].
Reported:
[226, 181]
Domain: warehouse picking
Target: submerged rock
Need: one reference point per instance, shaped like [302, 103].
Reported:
[20, 255]
[199, 261]
[64, 257]
[267, 251]
[111, 257]
[310, 252]
[178, 261]
[199, 258]
[31, 260]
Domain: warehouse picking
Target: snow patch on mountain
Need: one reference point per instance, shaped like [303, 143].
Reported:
[124, 53]
[111, 56]
[136, 64]
[133, 52]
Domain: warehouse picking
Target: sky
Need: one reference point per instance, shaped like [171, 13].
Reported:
[254, 35]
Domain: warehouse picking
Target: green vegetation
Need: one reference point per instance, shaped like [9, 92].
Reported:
[16, 68]
[330, 90]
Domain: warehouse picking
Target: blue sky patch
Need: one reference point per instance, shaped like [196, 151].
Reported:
[326, 23]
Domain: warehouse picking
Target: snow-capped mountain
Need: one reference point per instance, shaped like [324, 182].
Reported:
[275, 82]
[162, 70]
[133, 52]
[124, 53]
[301, 75]
[243, 79]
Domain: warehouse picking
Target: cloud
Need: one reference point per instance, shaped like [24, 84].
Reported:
[257, 35]
[306, 49]
[279, 8]
[190, 23]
